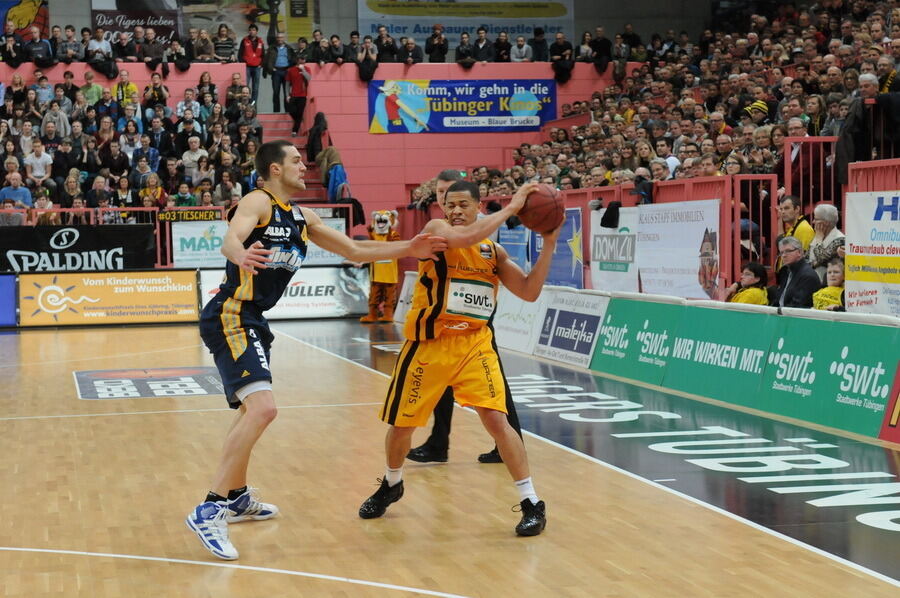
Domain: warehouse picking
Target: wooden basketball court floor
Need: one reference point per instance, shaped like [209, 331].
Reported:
[95, 493]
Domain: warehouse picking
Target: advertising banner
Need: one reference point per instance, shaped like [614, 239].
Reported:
[116, 16]
[516, 322]
[313, 293]
[173, 18]
[716, 353]
[89, 298]
[7, 300]
[627, 326]
[81, 248]
[873, 253]
[404, 300]
[25, 14]
[316, 256]
[198, 244]
[189, 215]
[415, 19]
[567, 267]
[613, 252]
[570, 327]
[471, 105]
[890, 428]
[515, 242]
[678, 249]
[836, 374]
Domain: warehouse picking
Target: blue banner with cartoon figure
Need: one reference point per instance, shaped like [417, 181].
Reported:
[567, 266]
[442, 106]
[515, 242]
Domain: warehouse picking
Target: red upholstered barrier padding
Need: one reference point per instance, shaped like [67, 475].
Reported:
[139, 74]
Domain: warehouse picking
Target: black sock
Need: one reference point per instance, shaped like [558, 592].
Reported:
[213, 497]
[233, 494]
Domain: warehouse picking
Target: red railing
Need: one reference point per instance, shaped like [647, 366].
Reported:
[66, 216]
[742, 202]
[808, 171]
[876, 175]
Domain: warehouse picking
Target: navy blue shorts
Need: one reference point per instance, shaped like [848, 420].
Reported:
[238, 336]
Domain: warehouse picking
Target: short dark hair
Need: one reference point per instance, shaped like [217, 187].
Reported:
[795, 201]
[758, 271]
[252, 26]
[465, 187]
[271, 152]
[449, 176]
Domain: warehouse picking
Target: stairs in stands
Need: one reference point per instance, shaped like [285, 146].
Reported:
[278, 126]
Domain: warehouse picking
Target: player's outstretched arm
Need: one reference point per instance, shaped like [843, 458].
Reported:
[253, 209]
[466, 236]
[422, 246]
[527, 286]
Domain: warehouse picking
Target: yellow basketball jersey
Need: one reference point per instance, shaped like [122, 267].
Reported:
[457, 293]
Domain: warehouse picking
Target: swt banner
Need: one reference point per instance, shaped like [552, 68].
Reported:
[873, 253]
[472, 105]
[614, 252]
[77, 248]
[678, 248]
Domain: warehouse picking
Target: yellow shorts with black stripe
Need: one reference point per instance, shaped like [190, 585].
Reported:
[468, 362]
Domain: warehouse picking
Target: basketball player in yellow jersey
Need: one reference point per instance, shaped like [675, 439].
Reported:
[450, 342]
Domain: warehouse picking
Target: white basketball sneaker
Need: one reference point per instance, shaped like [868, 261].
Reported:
[247, 507]
[208, 521]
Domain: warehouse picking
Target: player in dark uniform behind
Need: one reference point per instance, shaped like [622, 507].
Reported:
[265, 244]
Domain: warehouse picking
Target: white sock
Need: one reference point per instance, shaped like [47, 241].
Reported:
[526, 490]
[393, 476]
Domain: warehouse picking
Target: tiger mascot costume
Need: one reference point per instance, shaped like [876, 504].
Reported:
[383, 274]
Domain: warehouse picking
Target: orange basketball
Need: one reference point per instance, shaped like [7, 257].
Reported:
[544, 209]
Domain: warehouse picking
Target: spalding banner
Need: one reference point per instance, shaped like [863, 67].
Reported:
[472, 105]
[77, 248]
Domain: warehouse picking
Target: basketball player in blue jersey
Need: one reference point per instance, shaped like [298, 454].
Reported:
[265, 244]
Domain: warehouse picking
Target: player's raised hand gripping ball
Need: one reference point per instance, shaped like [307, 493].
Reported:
[544, 209]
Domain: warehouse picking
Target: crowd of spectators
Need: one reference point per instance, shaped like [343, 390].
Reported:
[107, 54]
[722, 104]
[83, 144]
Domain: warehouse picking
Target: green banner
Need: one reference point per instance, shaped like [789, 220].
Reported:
[635, 339]
[836, 374]
[720, 354]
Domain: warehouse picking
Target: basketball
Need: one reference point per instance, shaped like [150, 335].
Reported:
[544, 209]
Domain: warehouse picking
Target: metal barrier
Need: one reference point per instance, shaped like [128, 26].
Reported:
[10, 217]
[747, 218]
[756, 210]
[807, 171]
[876, 136]
[877, 175]
[67, 216]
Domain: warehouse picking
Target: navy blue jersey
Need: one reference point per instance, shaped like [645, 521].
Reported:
[285, 234]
